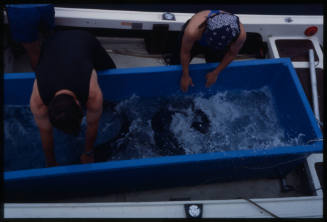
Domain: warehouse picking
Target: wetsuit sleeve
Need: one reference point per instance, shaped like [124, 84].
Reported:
[102, 60]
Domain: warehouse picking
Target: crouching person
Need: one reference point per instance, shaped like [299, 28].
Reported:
[66, 83]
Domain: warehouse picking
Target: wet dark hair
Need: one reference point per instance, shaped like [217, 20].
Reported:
[65, 114]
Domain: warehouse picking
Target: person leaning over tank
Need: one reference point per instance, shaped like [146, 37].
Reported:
[26, 21]
[66, 83]
[217, 34]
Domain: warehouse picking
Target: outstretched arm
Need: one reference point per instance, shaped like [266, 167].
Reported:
[228, 58]
[40, 113]
[187, 44]
[94, 111]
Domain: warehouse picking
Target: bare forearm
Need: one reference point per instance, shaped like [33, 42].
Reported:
[185, 61]
[91, 134]
[94, 111]
[228, 58]
[48, 146]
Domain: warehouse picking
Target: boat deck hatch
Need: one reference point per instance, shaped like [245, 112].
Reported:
[296, 49]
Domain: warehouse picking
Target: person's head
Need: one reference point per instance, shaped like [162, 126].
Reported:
[221, 30]
[65, 114]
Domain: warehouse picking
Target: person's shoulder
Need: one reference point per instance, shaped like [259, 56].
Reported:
[196, 20]
[202, 13]
[191, 32]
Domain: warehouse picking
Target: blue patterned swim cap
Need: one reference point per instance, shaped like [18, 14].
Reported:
[221, 30]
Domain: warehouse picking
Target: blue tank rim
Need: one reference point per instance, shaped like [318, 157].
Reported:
[149, 69]
[299, 151]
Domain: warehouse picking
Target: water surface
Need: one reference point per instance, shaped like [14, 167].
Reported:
[239, 120]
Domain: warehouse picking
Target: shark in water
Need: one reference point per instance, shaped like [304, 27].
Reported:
[165, 140]
[103, 151]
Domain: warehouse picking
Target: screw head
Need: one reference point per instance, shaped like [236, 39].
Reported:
[288, 19]
[193, 210]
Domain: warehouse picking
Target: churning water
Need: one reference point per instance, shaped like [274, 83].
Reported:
[231, 120]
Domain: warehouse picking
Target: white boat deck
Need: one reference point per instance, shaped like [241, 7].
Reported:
[125, 52]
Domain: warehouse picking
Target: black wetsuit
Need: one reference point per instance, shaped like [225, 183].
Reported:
[66, 62]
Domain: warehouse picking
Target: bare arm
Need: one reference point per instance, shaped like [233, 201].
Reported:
[187, 44]
[40, 113]
[94, 111]
[227, 59]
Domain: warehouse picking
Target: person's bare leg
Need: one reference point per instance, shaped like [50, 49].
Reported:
[33, 51]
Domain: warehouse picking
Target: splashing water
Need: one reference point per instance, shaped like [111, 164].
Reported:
[239, 120]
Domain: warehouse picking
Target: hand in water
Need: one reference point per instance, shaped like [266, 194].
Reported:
[211, 78]
[87, 158]
[186, 81]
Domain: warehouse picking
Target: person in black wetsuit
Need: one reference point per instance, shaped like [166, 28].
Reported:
[66, 83]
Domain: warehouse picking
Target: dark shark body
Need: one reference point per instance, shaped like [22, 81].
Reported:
[165, 140]
[113, 146]
[104, 151]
